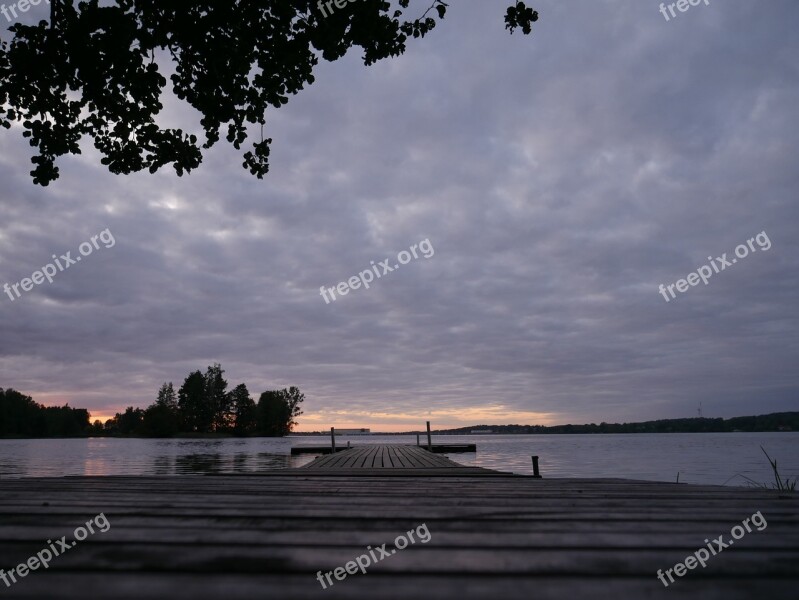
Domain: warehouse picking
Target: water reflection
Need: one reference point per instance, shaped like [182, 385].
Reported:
[113, 456]
[700, 458]
[235, 463]
[163, 465]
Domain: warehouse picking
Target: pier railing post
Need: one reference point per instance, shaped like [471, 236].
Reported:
[333, 440]
[536, 474]
[429, 441]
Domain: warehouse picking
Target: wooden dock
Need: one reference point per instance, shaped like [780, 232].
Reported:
[390, 460]
[267, 535]
[435, 448]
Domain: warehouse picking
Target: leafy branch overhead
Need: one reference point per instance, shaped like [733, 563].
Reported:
[97, 71]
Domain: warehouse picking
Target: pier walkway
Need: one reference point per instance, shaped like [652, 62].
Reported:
[395, 460]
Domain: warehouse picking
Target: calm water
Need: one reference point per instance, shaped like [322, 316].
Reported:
[700, 458]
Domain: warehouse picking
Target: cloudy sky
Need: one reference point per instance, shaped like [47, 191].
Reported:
[560, 179]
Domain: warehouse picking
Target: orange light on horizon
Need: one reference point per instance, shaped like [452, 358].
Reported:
[99, 417]
[439, 419]
[63, 399]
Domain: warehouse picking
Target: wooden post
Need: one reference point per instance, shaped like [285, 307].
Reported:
[333, 440]
[417, 440]
[536, 474]
[429, 442]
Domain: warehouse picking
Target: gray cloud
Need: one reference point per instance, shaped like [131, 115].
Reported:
[560, 178]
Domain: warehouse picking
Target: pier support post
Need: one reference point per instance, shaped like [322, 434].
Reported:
[536, 474]
[429, 441]
[333, 440]
[417, 440]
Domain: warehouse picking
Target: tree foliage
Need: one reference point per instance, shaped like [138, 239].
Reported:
[201, 406]
[216, 403]
[162, 418]
[167, 398]
[245, 419]
[98, 72]
[277, 410]
[20, 416]
[131, 422]
[191, 402]
[273, 414]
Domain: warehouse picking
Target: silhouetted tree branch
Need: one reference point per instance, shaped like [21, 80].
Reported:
[96, 71]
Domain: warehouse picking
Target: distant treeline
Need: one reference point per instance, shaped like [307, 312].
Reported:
[202, 405]
[787, 421]
[20, 416]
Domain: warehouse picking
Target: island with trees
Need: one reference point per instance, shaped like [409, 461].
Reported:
[202, 406]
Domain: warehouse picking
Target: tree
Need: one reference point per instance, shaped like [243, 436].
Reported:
[162, 419]
[274, 414]
[191, 401]
[95, 429]
[217, 401]
[20, 415]
[277, 410]
[244, 411]
[96, 71]
[129, 422]
[294, 398]
[167, 397]
[159, 421]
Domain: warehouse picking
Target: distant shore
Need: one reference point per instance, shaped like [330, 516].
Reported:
[773, 422]
[785, 421]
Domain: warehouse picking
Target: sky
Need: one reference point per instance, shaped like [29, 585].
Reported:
[555, 181]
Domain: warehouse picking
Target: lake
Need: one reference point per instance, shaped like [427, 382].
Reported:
[704, 458]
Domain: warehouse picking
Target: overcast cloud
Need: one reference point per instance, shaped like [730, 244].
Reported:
[560, 177]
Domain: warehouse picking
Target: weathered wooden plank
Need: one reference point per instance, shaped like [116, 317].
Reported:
[396, 459]
[461, 586]
[330, 459]
[368, 457]
[31, 526]
[347, 461]
[371, 455]
[103, 553]
[418, 499]
[357, 458]
[438, 487]
[562, 487]
[447, 535]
